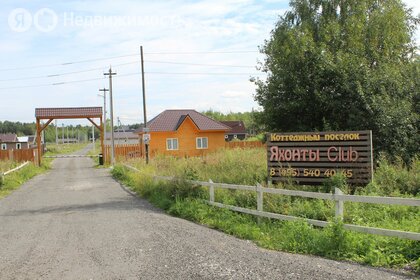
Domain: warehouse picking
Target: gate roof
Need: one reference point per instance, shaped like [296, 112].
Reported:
[68, 113]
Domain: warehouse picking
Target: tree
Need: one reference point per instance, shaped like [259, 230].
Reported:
[247, 117]
[344, 65]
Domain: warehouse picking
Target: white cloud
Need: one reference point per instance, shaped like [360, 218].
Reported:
[164, 26]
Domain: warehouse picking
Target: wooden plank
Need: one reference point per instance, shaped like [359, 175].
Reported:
[16, 169]
[268, 214]
[384, 232]
[326, 196]
[379, 200]
[363, 229]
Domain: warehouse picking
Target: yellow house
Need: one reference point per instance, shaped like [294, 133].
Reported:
[184, 133]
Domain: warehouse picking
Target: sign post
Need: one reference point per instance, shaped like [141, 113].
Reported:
[310, 158]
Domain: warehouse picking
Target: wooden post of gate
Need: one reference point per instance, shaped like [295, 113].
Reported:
[38, 140]
[102, 139]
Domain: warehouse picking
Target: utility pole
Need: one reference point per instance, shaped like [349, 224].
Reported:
[104, 90]
[110, 74]
[62, 133]
[146, 145]
[67, 128]
[56, 133]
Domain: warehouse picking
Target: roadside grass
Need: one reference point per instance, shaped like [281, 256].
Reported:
[6, 165]
[61, 149]
[247, 166]
[14, 180]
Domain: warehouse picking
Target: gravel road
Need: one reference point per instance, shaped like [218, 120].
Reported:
[76, 222]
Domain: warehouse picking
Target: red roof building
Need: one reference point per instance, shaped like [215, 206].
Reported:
[184, 133]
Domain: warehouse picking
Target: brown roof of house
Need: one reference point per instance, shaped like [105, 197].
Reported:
[238, 127]
[9, 138]
[170, 120]
[78, 112]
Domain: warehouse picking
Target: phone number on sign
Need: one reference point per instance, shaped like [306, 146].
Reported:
[309, 172]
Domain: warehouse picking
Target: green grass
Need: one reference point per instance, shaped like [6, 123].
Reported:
[62, 149]
[248, 167]
[14, 180]
[6, 165]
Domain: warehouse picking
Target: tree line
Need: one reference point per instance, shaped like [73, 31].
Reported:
[26, 129]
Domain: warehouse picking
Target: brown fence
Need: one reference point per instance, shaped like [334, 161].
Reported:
[124, 151]
[244, 144]
[18, 155]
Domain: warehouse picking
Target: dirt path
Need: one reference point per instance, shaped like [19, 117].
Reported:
[76, 222]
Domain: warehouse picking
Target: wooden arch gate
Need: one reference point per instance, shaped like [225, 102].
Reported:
[51, 114]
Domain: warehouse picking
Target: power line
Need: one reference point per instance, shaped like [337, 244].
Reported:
[66, 63]
[206, 52]
[63, 74]
[121, 56]
[53, 84]
[131, 74]
[201, 73]
[200, 64]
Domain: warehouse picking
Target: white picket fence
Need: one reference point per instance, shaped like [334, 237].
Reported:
[338, 197]
[2, 175]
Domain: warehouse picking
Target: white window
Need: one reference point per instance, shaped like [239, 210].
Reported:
[18, 146]
[4, 146]
[202, 142]
[172, 144]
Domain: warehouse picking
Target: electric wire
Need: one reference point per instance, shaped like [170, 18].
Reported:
[121, 56]
[198, 64]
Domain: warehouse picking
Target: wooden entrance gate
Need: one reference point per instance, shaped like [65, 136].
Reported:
[51, 114]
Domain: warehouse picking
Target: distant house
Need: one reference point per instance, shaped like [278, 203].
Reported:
[9, 141]
[27, 142]
[184, 133]
[122, 137]
[238, 130]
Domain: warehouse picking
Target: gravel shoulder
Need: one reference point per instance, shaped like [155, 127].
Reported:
[76, 222]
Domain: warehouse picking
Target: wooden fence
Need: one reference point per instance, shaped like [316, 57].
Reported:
[124, 151]
[244, 144]
[2, 175]
[338, 197]
[18, 155]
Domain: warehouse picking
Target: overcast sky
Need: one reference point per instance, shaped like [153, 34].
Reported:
[198, 54]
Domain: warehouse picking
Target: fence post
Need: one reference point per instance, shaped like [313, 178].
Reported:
[259, 197]
[339, 205]
[211, 190]
[259, 200]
